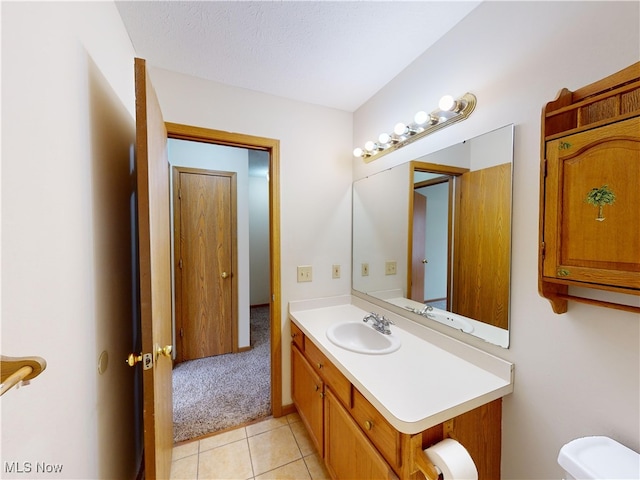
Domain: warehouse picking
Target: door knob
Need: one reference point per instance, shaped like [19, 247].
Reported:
[146, 359]
[425, 261]
[132, 359]
[224, 275]
[166, 350]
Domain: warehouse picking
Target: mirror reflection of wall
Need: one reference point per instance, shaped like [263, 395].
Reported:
[445, 219]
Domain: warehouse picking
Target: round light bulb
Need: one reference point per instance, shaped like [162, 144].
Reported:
[447, 103]
[421, 117]
[384, 138]
[357, 152]
[400, 129]
[369, 146]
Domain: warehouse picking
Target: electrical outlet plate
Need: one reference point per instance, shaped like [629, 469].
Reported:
[390, 268]
[365, 270]
[335, 271]
[304, 273]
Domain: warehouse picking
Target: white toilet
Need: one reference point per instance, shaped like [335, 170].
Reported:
[598, 458]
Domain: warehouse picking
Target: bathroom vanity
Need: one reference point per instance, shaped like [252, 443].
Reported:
[372, 414]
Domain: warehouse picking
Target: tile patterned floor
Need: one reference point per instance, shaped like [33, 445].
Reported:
[275, 448]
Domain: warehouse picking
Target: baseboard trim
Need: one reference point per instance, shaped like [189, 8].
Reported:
[288, 409]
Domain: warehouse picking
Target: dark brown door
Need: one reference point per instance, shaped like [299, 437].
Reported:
[205, 238]
[154, 239]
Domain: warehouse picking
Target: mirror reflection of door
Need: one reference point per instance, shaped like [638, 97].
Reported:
[430, 265]
[418, 251]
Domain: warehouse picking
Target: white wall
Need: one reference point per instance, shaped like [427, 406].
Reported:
[315, 176]
[260, 283]
[576, 374]
[67, 135]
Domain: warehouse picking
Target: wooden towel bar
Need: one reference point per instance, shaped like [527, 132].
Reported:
[14, 370]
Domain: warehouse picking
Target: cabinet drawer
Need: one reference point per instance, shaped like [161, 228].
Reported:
[297, 336]
[380, 432]
[327, 370]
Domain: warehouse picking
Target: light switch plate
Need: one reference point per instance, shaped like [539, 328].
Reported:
[365, 270]
[304, 273]
[390, 268]
[335, 271]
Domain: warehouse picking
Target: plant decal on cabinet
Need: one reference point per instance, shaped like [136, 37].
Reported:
[599, 197]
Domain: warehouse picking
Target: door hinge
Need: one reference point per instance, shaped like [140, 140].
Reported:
[544, 168]
[180, 264]
[542, 249]
[181, 332]
[180, 193]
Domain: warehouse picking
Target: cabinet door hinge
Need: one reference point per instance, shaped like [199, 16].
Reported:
[180, 193]
[544, 168]
[181, 332]
[542, 249]
[180, 264]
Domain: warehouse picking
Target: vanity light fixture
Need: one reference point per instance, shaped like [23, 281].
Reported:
[449, 111]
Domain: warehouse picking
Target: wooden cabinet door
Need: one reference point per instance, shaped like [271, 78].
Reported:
[592, 212]
[307, 391]
[348, 452]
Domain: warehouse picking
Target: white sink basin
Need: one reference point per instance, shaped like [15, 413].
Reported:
[361, 338]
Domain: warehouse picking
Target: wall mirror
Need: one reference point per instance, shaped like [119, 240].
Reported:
[432, 237]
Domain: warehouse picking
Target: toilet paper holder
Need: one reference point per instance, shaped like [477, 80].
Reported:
[420, 459]
[421, 462]
[424, 465]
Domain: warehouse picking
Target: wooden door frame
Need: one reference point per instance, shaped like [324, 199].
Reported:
[272, 146]
[177, 251]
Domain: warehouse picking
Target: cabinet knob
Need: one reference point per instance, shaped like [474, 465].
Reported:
[319, 365]
[368, 424]
[294, 335]
[317, 387]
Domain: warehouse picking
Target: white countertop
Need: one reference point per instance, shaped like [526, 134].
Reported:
[430, 379]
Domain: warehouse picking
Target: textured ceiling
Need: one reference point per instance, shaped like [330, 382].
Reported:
[337, 54]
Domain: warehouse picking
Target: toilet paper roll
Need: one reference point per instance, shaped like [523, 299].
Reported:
[453, 460]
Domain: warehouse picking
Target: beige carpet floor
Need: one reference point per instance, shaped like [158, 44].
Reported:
[220, 392]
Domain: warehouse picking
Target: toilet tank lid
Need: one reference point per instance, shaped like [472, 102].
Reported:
[599, 457]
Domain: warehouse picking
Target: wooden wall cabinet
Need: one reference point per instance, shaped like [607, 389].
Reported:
[590, 191]
[356, 441]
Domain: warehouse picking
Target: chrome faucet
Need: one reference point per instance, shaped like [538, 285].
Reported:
[380, 322]
[425, 311]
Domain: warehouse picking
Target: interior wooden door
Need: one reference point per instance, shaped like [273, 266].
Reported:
[418, 250]
[205, 215]
[154, 233]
